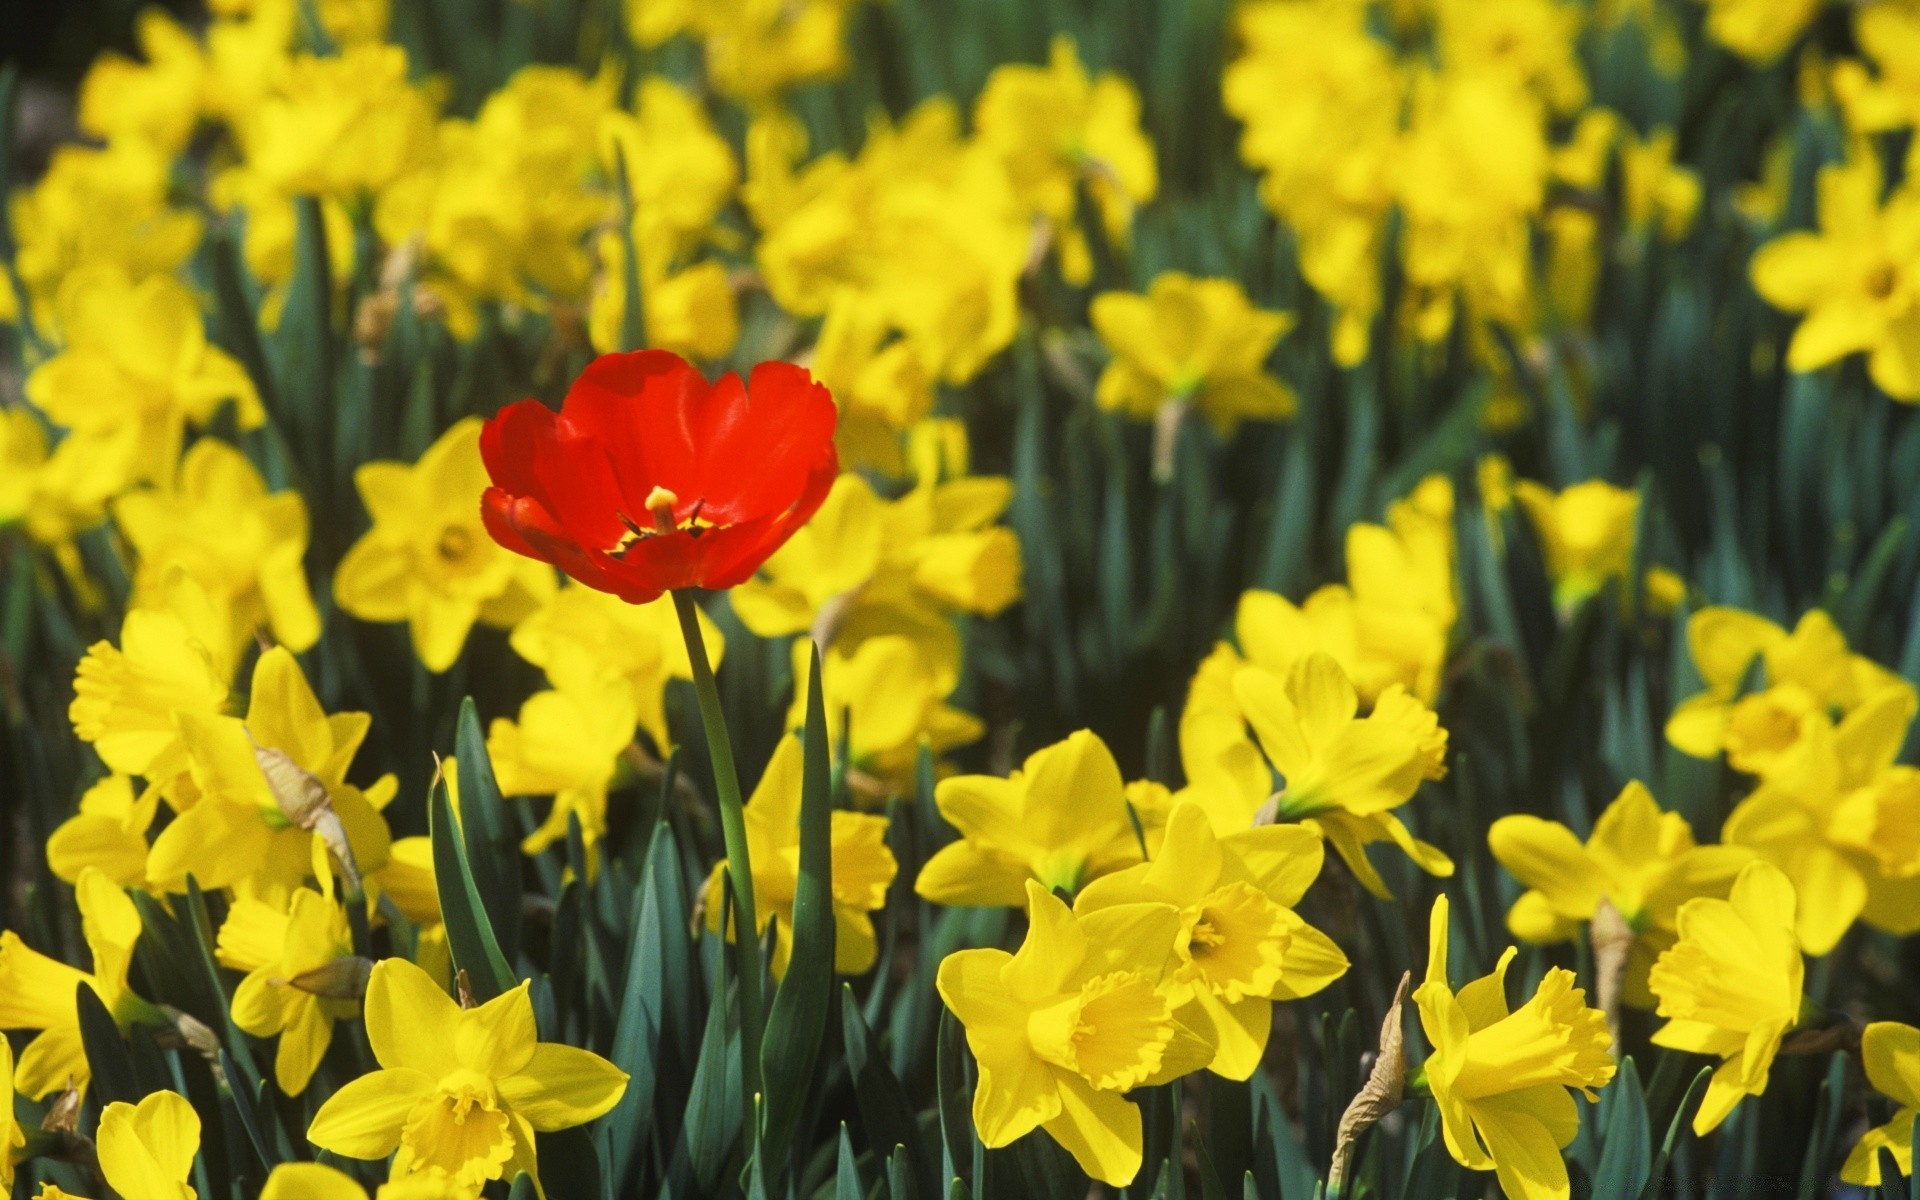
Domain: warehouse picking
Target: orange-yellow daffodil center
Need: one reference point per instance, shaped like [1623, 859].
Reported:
[1554, 1038]
[1233, 941]
[1113, 1031]
[460, 1128]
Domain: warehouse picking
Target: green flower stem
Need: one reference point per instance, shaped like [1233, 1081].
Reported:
[733, 826]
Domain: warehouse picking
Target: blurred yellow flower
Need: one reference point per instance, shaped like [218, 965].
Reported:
[582, 637]
[147, 1149]
[566, 743]
[888, 692]
[1532, 42]
[462, 1091]
[157, 101]
[1586, 533]
[1854, 279]
[1060, 820]
[11, 1138]
[1191, 341]
[40, 993]
[341, 125]
[1057, 129]
[428, 560]
[1067, 1026]
[1890, 1052]
[135, 371]
[244, 545]
[1501, 1078]
[1639, 859]
[1759, 31]
[1240, 946]
[863, 868]
[1731, 986]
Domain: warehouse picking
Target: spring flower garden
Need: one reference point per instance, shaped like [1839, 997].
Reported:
[963, 600]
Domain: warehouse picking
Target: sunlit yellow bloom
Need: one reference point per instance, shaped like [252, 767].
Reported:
[157, 101]
[60, 230]
[1854, 279]
[1240, 945]
[863, 867]
[1191, 341]
[1501, 1077]
[1654, 191]
[567, 744]
[135, 372]
[1639, 859]
[127, 700]
[463, 1091]
[301, 976]
[1807, 671]
[147, 1149]
[755, 49]
[888, 691]
[1057, 130]
[1061, 820]
[40, 993]
[1890, 1052]
[1730, 987]
[240, 543]
[1888, 35]
[693, 313]
[1339, 773]
[428, 560]
[1064, 1028]
[582, 637]
[317, 1181]
[269, 785]
[1532, 42]
[109, 833]
[54, 496]
[1838, 817]
[1759, 31]
[1586, 534]
[340, 125]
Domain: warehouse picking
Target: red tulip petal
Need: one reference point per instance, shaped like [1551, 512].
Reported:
[637, 406]
[778, 430]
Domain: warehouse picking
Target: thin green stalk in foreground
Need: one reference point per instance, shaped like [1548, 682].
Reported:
[733, 826]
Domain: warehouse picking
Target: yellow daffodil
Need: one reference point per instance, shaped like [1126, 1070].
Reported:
[301, 976]
[127, 700]
[240, 543]
[828, 561]
[1586, 534]
[887, 691]
[428, 560]
[1853, 279]
[1057, 129]
[147, 1149]
[566, 743]
[1639, 859]
[268, 785]
[317, 1181]
[1731, 986]
[340, 125]
[1191, 341]
[108, 833]
[157, 101]
[60, 232]
[1655, 193]
[1890, 1052]
[863, 867]
[461, 1091]
[1532, 42]
[53, 495]
[37, 992]
[1501, 1077]
[1807, 671]
[135, 371]
[1065, 1028]
[1340, 774]
[1240, 945]
[1060, 820]
[1759, 31]
[755, 49]
[1821, 822]
[583, 638]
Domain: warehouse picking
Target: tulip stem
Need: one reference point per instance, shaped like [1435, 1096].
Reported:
[733, 827]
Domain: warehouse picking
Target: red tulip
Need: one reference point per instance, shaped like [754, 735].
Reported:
[650, 479]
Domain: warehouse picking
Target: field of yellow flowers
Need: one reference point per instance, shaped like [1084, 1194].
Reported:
[964, 600]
